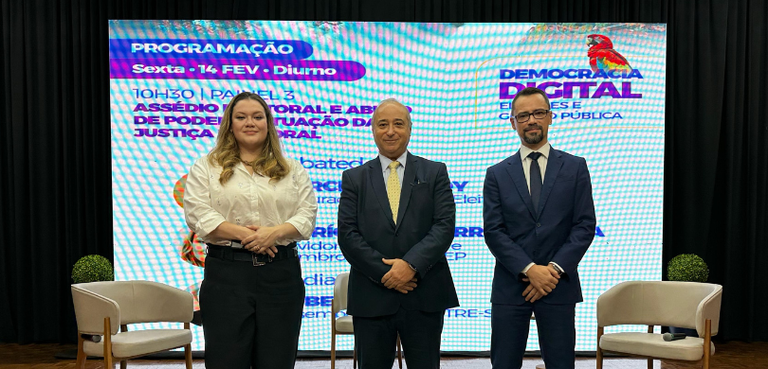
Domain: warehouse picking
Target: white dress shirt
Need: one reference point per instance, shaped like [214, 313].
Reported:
[248, 199]
[524, 151]
[543, 159]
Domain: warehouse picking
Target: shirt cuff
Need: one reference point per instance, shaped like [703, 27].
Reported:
[525, 271]
[304, 227]
[208, 224]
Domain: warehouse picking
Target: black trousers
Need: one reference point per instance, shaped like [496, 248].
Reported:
[251, 315]
[420, 334]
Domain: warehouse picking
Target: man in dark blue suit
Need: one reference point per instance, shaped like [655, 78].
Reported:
[396, 221]
[539, 220]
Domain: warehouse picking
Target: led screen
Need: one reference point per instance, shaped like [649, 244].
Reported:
[170, 82]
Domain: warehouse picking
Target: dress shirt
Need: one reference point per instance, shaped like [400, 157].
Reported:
[400, 169]
[385, 161]
[524, 151]
[248, 199]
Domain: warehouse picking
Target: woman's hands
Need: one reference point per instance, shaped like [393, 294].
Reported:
[258, 239]
[262, 240]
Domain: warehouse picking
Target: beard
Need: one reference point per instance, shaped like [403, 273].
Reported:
[533, 138]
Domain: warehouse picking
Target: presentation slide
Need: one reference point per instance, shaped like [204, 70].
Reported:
[170, 82]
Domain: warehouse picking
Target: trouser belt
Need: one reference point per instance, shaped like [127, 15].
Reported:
[228, 253]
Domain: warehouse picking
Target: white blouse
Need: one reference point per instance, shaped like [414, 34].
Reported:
[248, 199]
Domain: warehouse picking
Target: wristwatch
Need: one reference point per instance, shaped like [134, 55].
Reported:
[412, 267]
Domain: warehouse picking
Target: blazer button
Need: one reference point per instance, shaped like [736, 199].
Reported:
[538, 224]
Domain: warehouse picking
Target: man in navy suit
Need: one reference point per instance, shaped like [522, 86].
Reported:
[539, 220]
[396, 221]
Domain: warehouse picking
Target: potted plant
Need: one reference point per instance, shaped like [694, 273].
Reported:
[687, 268]
[92, 268]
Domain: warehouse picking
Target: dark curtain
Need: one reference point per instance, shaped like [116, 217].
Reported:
[55, 177]
[716, 165]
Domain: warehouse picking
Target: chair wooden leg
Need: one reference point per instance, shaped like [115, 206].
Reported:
[107, 344]
[81, 357]
[188, 355]
[707, 342]
[399, 353]
[333, 336]
[650, 361]
[188, 350]
[333, 350]
[598, 350]
[123, 363]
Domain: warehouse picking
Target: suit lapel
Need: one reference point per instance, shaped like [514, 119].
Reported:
[554, 163]
[411, 168]
[376, 178]
[515, 171]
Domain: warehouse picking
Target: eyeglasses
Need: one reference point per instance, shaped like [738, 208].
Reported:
[538, 114]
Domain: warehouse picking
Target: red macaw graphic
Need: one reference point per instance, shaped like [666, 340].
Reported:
[191, 248]
[602, 56]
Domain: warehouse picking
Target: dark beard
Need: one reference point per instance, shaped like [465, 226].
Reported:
[535, 139]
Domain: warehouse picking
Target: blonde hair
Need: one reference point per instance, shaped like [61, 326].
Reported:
[226, 153]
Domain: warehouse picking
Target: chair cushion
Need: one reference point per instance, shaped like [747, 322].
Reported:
[344, 324]
[136, 343]
[653, 345]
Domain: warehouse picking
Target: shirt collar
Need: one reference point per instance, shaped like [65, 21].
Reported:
[544, 150]
[385, 160]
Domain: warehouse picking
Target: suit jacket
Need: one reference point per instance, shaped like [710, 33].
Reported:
[424, 231]
[561, 229]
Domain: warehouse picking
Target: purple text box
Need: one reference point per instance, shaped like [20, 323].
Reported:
[300, 70]
[195, 49]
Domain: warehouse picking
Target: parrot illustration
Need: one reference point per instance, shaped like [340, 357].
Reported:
[602, 56]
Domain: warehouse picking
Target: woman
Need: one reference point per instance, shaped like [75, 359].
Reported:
[250, 205]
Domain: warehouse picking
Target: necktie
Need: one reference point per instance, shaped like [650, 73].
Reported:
[535, 180]
[393, 188]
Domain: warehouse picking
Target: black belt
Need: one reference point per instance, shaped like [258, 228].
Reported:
[228, 253]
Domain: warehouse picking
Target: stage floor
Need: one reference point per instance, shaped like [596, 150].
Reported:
[728, 355]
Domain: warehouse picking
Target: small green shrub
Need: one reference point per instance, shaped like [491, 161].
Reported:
[687, 267]
[92, 268]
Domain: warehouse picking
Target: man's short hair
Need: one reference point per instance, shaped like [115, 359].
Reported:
[528, 91]
[392, 100]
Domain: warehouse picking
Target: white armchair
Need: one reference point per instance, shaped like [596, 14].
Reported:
[679, 304]
[343, 325]
[106, 308]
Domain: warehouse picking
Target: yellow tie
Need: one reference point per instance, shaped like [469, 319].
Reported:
[393, 188]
